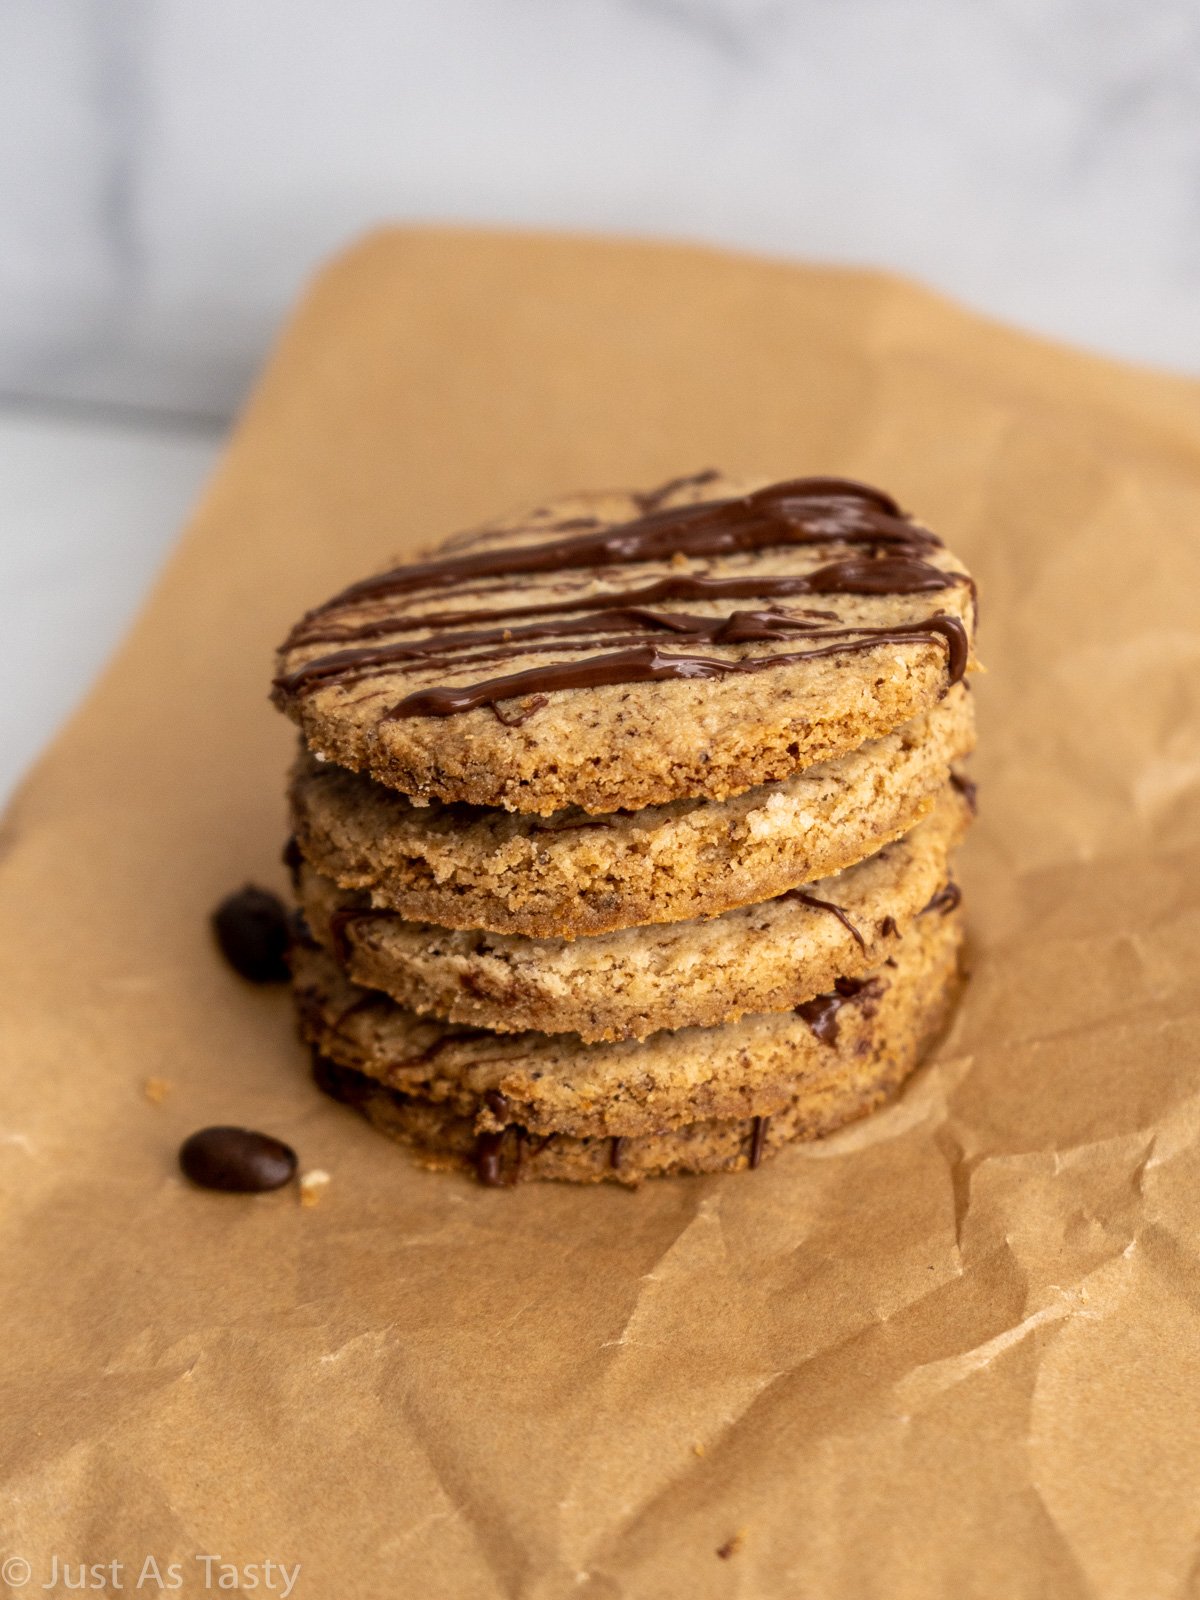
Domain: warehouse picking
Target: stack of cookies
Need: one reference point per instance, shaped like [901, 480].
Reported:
[622, 830]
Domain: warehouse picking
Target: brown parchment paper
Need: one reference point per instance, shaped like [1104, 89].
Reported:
[952, 1352]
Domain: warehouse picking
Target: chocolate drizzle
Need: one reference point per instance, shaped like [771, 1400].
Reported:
[648, 664]
[343, 920]
[651, 499]
[758, 1139]
[573, 824]
[446, 1039]
[615, 625]
[881, 575]
[489, 1147]
[800, 511]
[497, 1104]
[947, 899]
[888, 557]
[827, 905]
[518, 719]
[968, 788]
[488, 1154]
[616, 1148]
[363, 1002]
[821, 1013]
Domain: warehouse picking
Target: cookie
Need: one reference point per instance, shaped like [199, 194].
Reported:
[843, 1047]
[444, 1141]
[765, 957]
[599, 654]
[571, 874]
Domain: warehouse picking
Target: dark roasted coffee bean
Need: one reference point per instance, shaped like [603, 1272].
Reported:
[254, 934]
[236, 1160]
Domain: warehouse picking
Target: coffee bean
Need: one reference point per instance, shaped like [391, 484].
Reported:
[253, 932]
[236, 1160]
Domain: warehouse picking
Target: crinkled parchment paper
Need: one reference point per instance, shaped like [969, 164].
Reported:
[952, 1352]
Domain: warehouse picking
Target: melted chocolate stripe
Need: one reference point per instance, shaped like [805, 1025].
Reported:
[803, 511]
[858, 575]
[969, 790]
[758, 1139]
[487, 1156]
[947, 899]
[647, 664]
[364, 1002]
[821, 1012]
[651, 499]
[361, 671]
[442, 649]
[828, 905]
[740, 627]
[346, 917]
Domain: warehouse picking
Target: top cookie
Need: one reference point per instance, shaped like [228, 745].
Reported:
[621, 650]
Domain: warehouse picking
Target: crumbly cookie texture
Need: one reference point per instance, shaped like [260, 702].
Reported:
[555, 1084]
[571, 874]
[630, 984]
[370, 676]
[509, 1121]
[444, 1141]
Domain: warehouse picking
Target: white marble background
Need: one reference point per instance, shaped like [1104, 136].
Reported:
[171, 171]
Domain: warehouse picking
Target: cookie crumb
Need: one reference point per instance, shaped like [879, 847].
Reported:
[156, 1090]
[732, 1546]
[312, 1186]
[697, 1449]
